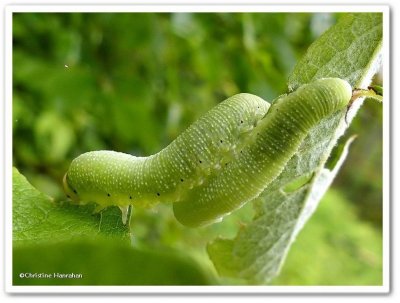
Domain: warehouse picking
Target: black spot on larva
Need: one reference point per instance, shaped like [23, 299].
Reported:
[75, 191]
[241, 152]
[108, 195]
[130, 197]
[221, 141]
[200, 161]
[226, 164]
[241, 121]
[68, 196]
[181, 180]
[158, 194]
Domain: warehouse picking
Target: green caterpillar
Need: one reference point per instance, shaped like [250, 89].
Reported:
[220, 162]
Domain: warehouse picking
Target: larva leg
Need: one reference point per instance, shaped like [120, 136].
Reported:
[124, 211]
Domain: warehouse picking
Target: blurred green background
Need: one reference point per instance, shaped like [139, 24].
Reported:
[133, 82]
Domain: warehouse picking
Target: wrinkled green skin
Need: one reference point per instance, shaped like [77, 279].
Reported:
[220, 162]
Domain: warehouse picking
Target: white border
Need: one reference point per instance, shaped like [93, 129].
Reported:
[190, 289]
[386, 182]
[198, 8]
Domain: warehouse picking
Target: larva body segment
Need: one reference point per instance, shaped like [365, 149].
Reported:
[223, 160]
[112, 178]
[278, 136]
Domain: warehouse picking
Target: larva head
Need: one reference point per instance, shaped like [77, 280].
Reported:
[69, 191]
[329, 94]
[106, 178]
[340, 88]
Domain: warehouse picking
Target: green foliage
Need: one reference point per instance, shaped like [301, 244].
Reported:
[104, 262]
[332, 248]
[348, 50]
[363, 169]
[69, 239]
[132, 83]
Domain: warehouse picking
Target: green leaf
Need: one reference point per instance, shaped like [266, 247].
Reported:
[104, 262]
[71, 239]
[349, 50]
[377, 89]
[38, 219]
